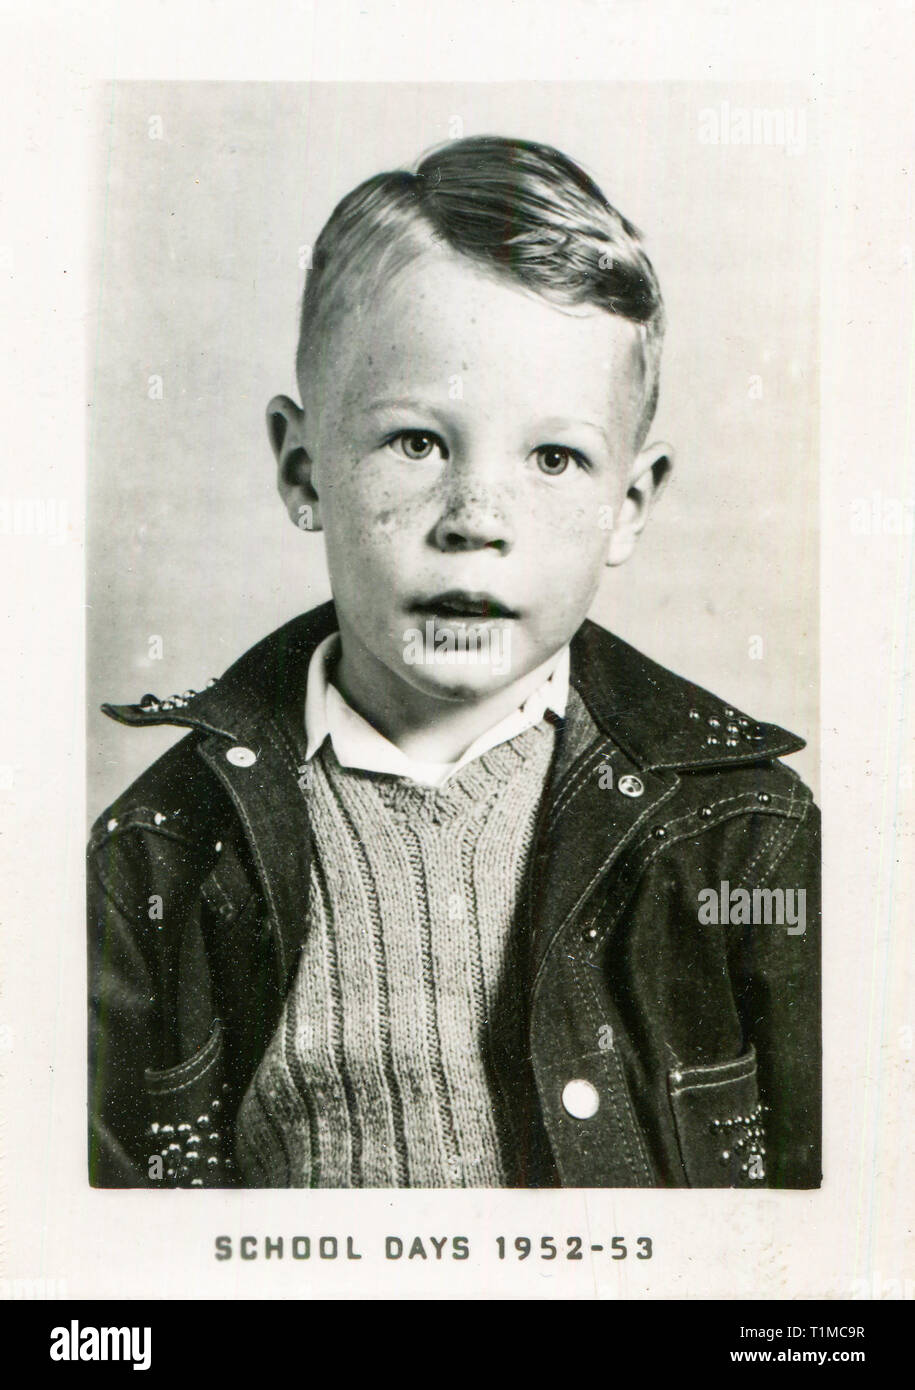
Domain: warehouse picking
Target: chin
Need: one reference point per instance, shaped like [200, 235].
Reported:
[458, 683]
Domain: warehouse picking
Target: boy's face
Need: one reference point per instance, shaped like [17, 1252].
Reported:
[471, 447]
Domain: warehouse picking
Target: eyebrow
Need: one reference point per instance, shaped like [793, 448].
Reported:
[400, 403]
[563, 422]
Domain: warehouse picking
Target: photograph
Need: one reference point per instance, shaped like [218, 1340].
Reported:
[457, 524]
[454, 461]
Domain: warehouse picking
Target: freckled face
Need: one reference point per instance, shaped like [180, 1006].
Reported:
[464, 444]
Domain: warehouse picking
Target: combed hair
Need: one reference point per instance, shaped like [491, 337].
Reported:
[516, 208]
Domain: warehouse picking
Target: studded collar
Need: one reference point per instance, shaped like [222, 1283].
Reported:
[660, 720]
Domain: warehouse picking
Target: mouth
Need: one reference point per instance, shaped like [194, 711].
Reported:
[463, 605]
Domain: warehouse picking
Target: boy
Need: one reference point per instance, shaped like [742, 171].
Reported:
[425, 897]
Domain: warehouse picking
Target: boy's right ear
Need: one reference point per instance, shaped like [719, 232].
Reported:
[285, 427]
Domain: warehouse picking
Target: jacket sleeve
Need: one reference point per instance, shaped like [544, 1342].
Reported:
[776, 972]
[121, 1004]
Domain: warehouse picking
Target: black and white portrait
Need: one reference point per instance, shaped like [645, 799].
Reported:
[453, 555]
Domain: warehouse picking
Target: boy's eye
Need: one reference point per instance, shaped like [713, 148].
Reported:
[554, 459]
[416, 445]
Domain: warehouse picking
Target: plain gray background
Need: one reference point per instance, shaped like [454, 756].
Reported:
[198, 244]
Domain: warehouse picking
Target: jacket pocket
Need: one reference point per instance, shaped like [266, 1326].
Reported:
[719, 1123]
[188, 1123]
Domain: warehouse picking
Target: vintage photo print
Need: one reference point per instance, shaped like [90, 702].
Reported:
[439, 841]
[460, 498]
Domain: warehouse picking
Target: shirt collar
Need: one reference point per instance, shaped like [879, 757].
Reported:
[357, 744]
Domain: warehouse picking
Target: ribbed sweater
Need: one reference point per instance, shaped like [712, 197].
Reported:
[399, 1051]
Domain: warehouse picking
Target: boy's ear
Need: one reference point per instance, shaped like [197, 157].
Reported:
[285, 427]
[650, 472]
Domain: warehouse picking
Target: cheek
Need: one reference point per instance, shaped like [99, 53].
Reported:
[370, 527]
[571, 533]
[566, 559]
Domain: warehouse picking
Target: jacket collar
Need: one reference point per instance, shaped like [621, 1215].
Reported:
[660, 720]
[629, 719]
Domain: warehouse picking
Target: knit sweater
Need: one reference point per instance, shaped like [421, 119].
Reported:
[398, 1057]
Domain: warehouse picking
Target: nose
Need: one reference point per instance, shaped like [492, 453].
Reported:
[474, 517]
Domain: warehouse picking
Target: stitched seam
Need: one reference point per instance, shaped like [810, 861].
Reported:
[707, 1069]
[575, 782]
[633, 827]
[765, 845]
[780, 805]
[159, 1089]
[710, 1085]
[220, 892]
[287, 746]
[104, 837]
[576, 777]
[762, 755]
[746, 1066]
[226, 869]
[597, 875]
[265, 878]
[636, 1127]
[618, 1093]
[639, 869]
[147, 721]
[622, 1086]
[157, 1083]
[286, 754]
[690, 815]
[770, 869]
[658, 850]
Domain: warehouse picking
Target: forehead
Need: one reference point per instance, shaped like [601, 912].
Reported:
[441, 320]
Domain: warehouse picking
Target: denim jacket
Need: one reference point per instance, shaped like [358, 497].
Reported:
[670, 1044]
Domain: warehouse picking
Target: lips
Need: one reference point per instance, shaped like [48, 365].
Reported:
[464, 603]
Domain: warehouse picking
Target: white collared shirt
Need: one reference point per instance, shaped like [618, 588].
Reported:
[357, 744]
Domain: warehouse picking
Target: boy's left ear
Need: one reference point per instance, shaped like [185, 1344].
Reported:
[650, 472]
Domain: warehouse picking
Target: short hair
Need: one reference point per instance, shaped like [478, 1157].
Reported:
[517, 208]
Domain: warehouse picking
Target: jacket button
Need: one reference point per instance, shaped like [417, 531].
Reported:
[580, 1099]
[631, 786]
[241, 757]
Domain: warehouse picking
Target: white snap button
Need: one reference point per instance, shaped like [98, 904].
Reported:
[580, 1099]
[631, 786]
[241, 757]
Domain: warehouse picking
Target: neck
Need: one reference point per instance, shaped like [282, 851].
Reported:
[425, 727]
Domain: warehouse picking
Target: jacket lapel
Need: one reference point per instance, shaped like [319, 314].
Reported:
[599, 796]
[631, 726]
[258, 756]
